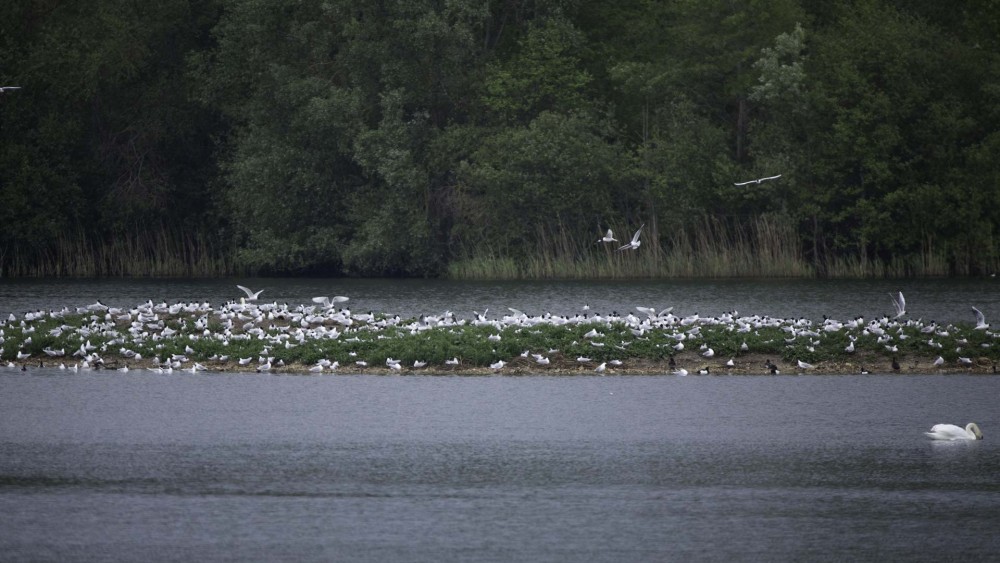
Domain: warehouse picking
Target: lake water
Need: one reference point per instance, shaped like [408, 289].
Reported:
[246, 467]
[942, 300]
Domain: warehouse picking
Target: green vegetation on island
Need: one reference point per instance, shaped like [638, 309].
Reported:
[241, 336]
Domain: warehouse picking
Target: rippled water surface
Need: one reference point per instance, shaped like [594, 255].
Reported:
[242, 467]
[943, 300]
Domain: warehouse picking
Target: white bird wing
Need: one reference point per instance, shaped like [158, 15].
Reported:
[745, 183]
[610, 236]
[635, 237]
[980, 317]
[899, 303]
[246, 290]
[770, 178]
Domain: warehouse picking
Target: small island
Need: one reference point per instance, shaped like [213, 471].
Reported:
[321, 338]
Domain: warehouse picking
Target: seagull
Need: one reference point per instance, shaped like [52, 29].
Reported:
[952, 432]
[4, 89]
[325, 301]
[251, 295]
[635, 241]
[804, 365]
[758, 180]
[601, 368]
[608, 237]
[900, 305]
[981, 323]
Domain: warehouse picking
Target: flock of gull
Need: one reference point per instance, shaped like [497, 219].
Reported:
[151, 335]
[262, 336]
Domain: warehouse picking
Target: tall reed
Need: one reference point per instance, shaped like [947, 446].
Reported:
[765, 246]
[154, 252]
[761, 247]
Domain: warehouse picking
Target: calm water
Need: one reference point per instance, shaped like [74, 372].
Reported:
[943, 300]
[246, 467]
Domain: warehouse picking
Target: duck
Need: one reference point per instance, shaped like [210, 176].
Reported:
[952, 432]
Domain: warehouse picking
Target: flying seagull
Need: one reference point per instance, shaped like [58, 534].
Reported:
[326, 301]
[900, 304]
[4, 89]
[251, 295]
[981, 323]
[758, 180]
[609, 237]
[635, 240]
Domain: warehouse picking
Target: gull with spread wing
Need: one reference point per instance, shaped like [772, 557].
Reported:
[758, 180]
[635, 240]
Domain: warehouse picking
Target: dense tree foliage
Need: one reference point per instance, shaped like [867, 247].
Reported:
[391, 138]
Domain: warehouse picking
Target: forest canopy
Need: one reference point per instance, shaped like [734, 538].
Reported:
[494, 138]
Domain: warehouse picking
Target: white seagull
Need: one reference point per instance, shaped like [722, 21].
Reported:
[635, 241]
[900, 304]
[608, 237]
[251, 295]
[981, 323]
[952, 432]
[758, 180]
[325, 301]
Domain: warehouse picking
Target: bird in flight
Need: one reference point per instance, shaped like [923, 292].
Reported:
[981, 323]
[758, 180]
[4, 89]
[609, 237]
[900, 304]
[635, 241]
[251, 295]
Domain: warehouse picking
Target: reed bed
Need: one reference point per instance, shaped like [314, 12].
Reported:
[763, 247]
[158, 252]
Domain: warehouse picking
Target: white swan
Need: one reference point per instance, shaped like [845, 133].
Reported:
[952, 432]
